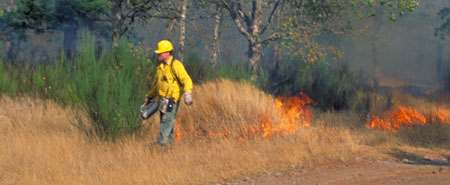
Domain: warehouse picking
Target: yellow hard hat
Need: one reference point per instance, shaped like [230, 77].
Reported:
[164, 46]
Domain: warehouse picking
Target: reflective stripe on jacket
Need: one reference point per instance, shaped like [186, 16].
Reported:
[166, 85]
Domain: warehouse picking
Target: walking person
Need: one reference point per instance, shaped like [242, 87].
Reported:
[170, 82]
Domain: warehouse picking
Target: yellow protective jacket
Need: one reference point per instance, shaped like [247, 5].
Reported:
[166, 85]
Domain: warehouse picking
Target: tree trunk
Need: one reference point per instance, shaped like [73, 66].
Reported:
[253, 28]
[439, 64]
[182, 30]
[13, 48]
[374, 60]
[11, 51]
[170, 28]
[216, 37]
[254, 58]
[70, 37]
[255, 46]
[376, 23]
[277, 47]
[115, 25]
[115, 39]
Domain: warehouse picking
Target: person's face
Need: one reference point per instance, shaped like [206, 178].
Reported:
[164, 56]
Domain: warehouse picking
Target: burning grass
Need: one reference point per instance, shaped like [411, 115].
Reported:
[232, 130]
[239, 110]
[415, 121]
[41, 146]
[407, 117]
[400, 117]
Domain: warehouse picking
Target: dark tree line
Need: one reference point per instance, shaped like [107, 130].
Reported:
[260, 22]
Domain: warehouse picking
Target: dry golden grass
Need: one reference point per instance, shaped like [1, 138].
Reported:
[224, 107]
[41, 146]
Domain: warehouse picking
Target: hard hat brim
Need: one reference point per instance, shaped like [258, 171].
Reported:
[161, 51]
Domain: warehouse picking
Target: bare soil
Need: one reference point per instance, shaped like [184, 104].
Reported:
[397, 167]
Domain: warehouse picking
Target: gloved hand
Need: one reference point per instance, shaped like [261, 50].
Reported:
[146, 101]
[188, 98]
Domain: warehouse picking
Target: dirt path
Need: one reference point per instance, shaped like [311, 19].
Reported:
[400, 169]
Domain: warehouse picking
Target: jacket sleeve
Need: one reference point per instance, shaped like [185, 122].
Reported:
[152, 92]
[183, 76]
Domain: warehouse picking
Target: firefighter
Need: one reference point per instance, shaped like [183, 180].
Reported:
[170, 82]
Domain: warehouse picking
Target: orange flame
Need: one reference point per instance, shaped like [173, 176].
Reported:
[292, 112]
[443, 115]
[178, 133]
[405, 117]
[218, 134]
[400, 117]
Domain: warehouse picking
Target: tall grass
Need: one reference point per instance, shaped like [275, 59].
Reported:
[108, 86]
[226, 106]
[43, 148]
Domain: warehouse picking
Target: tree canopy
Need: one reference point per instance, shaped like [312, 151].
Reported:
[444, 30]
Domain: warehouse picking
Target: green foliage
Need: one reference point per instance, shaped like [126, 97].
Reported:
[111, 88]
[331, 87]
[322, 9]
[305, 21]
[231, 70]
[77, 11]
[201, 71]
[44, 15]
[8, 86]
[108, 86]
[197, 69]
[444, 30]
[89, 6]
[97, 15]
[30, 14]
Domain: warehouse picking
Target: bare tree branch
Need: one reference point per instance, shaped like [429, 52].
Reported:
[237, 21]
[243, 16]
[270, 17]
[273, 37]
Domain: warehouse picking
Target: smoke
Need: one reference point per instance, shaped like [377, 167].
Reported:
[404, 52]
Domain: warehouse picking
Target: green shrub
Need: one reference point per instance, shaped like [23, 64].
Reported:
[201, 71]
[231, 70]
[109, 86]
[331, 87]
[197, 69]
